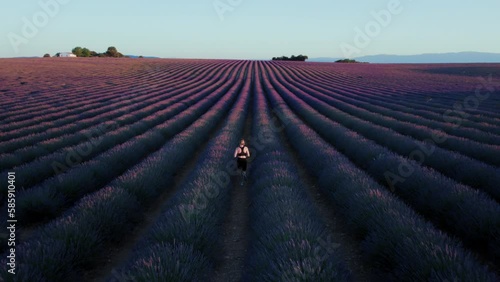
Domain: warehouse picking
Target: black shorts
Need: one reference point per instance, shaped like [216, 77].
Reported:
[242, 164]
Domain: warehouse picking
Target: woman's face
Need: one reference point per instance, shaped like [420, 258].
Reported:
[242, 143]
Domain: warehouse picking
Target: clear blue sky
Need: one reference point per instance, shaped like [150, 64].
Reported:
[250, 29]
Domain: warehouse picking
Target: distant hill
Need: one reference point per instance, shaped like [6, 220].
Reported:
[146, 57]
[323, 60]
[461, 57]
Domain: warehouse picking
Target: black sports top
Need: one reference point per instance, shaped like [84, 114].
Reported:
[242, 152]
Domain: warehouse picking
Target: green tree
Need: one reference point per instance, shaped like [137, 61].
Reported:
[293, 58]
[302, 57]
[347, 61]
[113, 52]
[86, 52]
[77, 51]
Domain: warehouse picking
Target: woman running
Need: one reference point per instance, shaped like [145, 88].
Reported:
[242, 154]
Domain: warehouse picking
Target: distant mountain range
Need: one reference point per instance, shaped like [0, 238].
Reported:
[461, 57]
[146, 57]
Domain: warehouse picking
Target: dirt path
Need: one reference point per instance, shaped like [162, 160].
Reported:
[329, 216]
[235, 236]
[235, 229]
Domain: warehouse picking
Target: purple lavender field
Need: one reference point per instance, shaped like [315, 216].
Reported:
[123, 170]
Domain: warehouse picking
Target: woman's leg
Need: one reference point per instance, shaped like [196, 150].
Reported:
[242, 167]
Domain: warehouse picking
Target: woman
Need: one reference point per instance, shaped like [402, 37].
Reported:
[242, 154]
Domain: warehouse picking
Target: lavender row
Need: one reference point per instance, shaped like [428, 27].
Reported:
[144, 109]
[35, 105]
[400, 102]
[456, 166]
[398, 243]
[376, 110]
[470, 214]
[101, 218]
[113, 135]
[416, 89]
[289, 241]
[51, 103]
[70, 114]
[183, 243]
[47, 199]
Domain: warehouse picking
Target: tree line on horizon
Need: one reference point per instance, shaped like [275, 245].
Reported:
[347, 61]
[299, 58]
[86, 53]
